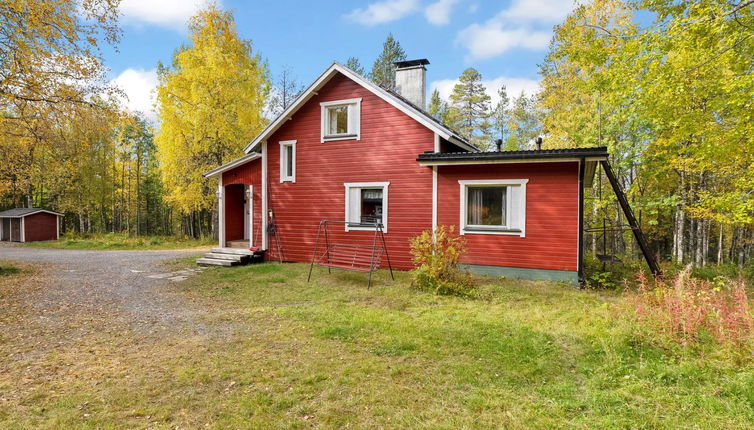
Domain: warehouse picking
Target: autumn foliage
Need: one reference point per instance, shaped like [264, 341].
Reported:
[436, 258]
[688, 310]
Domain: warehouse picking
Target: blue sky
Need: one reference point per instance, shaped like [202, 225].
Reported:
[504, 40]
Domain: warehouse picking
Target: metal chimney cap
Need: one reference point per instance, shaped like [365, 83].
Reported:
[411, 63]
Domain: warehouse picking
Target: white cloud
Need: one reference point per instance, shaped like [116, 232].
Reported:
[525, 24]
[491, 39]
[439, 13]
[166, 13]
[514, 87]
[139, 87]
[383, 11]
[547, 11]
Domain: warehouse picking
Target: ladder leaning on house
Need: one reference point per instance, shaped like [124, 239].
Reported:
[632, 222]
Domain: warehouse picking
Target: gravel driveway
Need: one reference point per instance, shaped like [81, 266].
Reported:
[131, 287]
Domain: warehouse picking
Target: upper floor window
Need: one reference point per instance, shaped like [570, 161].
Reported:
[493, 206]
[341, 120]
[288, 161]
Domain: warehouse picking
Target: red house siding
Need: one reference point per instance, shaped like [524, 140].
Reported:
[41, 226]
[390, 142]
[246, 174]
[552, 204]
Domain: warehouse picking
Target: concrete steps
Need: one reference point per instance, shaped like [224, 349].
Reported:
[230, 257]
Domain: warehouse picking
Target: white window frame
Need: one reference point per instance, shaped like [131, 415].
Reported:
[354, 120]
[360, 185]
[510, 205]
[283, 176]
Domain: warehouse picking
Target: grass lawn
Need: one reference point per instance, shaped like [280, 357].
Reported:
[332, 354]
[117, 241]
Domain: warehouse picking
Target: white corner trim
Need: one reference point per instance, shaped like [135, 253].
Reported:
[283, 176]
[384, 186]
[264, 195]
[463, 185]
[221, 217]
[354, 119]
[251, 215]
[57, 228]
[434, 200]
[23, 229]
[437, 142]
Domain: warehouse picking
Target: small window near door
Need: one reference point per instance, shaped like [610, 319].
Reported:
[366, 205]
[288, 161]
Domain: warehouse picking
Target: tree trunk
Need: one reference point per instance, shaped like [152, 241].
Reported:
[720, 245]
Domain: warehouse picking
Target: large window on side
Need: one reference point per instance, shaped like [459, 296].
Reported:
[341, 120]
[288, 161]
[493, 206]
[366, 204]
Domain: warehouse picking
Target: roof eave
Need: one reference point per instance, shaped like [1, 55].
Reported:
[231, 165]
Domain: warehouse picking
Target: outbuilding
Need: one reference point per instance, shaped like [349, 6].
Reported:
[29, 225]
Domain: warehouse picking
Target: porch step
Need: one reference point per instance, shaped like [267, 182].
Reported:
[232, 251]
[230, 257]
[215, 262]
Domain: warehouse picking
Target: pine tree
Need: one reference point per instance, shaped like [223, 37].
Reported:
[383, 70]
[470, 108]
[501, 116]
[525, 123]
[438, 108]
[354, 64]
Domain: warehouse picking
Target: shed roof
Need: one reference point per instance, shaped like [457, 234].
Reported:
[22, 212]
[435, 158]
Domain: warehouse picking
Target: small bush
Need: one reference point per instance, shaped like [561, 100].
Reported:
[436, 259]
[688, 310]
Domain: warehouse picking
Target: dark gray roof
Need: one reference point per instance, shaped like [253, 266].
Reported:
[22, 212]
[429, 116]
[600, 151]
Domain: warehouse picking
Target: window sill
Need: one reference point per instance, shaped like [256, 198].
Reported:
[291, 180]
[500, 231]
[362, 227]
[340, 137]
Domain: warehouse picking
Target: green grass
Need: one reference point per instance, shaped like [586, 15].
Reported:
[7, 270]
[115, 241]
[333, 354]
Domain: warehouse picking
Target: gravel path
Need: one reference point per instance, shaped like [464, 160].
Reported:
[131, 287]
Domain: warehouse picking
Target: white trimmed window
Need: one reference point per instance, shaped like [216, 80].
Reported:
[288, 161]
[493, 207]
[341, 120]
[366, 204]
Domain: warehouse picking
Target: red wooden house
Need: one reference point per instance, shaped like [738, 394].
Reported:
[350, 150]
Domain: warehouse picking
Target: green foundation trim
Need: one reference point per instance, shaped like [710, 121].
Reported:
[568, 276]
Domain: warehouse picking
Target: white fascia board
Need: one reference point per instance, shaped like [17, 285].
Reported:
[371, 86]
[233, 164]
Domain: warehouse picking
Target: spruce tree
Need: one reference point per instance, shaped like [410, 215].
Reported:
[470, 108]
[383, 70]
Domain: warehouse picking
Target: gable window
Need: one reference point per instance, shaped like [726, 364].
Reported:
[366, 204]
[288, 161]
[341, 120]
[493, 206]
